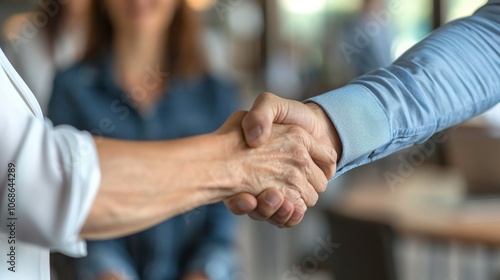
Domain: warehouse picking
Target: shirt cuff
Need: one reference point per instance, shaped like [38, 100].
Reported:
[360, 121]
[82, 163]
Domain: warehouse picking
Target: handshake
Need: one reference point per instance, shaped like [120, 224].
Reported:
[284, 154]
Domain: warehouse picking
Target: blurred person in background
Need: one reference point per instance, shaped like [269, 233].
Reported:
[51, 38]
[143, 77]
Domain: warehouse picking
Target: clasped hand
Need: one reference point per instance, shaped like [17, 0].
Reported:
[289, 152]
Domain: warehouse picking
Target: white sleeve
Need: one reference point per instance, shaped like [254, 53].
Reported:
[56, 173]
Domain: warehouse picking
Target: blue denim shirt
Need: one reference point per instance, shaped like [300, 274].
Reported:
[87, 97]
[451, 76]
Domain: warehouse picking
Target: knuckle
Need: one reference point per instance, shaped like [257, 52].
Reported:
[293, 194]
[315, 198]
[301, 206]
[294, 177]
[331, 171]
[333, 156]
[324, 185]
[266, 95]
[296, 132]
[321, 188]
[329, 162]
[311, 199]
[301, 156]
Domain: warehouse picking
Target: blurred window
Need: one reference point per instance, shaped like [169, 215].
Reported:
[412, 23]
[460, 8]
[307, 33]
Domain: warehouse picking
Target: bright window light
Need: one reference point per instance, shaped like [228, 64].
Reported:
[303, 6]
[200, 5]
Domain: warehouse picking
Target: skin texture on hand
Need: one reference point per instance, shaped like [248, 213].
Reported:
[257, 124]
[144, 183]
[284, 163]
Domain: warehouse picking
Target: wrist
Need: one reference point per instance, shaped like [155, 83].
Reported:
[325, 129]
[208, 167]
[223, 149]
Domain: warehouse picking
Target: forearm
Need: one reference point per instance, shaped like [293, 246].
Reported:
[145, 183]
[447, 78]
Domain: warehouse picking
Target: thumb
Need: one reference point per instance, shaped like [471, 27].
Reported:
[258, 123]
[268, 109]
[241, 204]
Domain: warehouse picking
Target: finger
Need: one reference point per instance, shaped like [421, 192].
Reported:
[323, 155]
[241, 204]
[299, 208]
[281, 217]
[258, 123]
[299, 191]
[269, 201]
[268, 109]
[316, 177]
[303, 160]
[295, 219]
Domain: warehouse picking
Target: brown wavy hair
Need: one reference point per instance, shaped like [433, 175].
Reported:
[184, 57]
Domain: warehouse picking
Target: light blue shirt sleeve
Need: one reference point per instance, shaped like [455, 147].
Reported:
[449, 77]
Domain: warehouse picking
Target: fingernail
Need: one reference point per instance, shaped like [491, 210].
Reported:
[296, 216]
[243, 205]
[283, 212]
[272, 199]
[255, 133]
